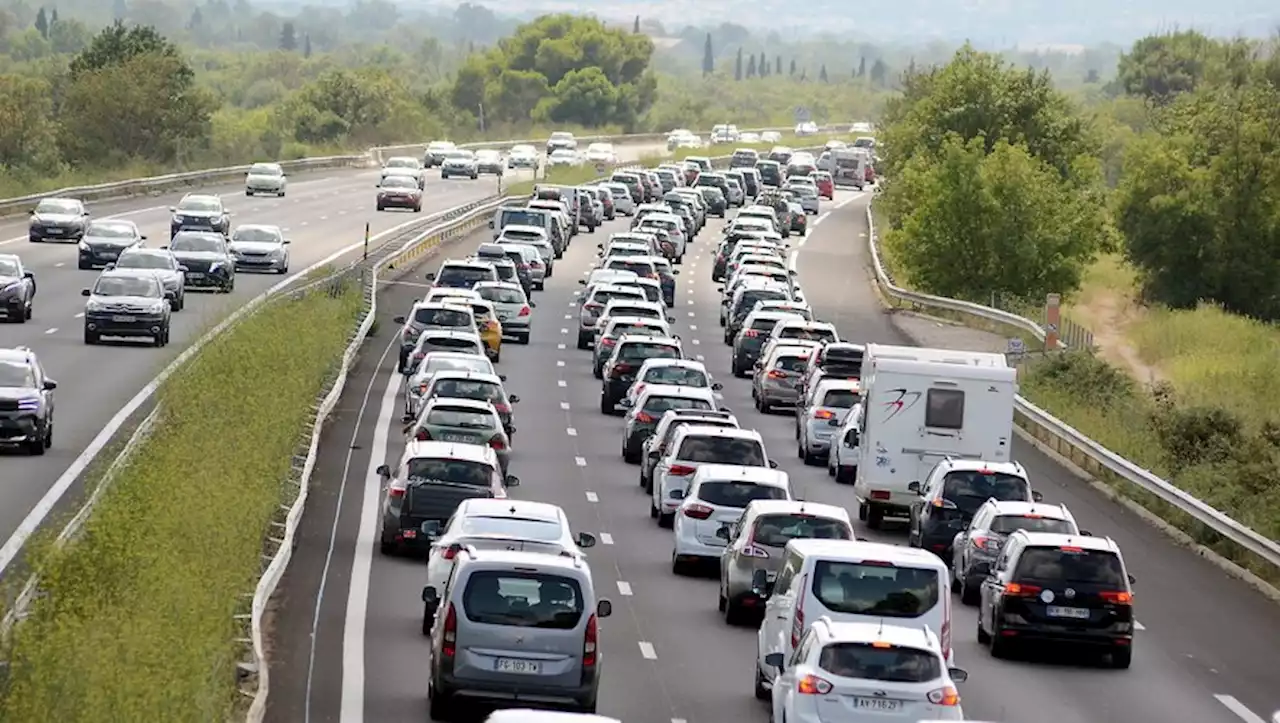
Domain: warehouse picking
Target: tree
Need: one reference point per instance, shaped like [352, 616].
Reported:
[879, 73]
[737, 68]
[26, 136]
[751, 66]
[1159, 67]
[288, 37]
[69, 36]
[708, 57]
[793, 67]
[117, 44]
[306, 45]
[42, 23]
[822, 74]
[635, 29]
[196, 20]
[777, 65]
[762, 67]
[53, 18]
[862, 67]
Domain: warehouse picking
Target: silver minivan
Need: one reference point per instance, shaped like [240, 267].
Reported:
[515, 626]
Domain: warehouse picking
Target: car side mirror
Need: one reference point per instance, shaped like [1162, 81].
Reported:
[515, 398]
[1036, 496]
[677, 494]
[490, 223]
[384, 471]
[170, 295]
[723, 532]
[32, 212]
[760, 584]
[430, 596]
[286, 242]
[171, 209]
[399, 319]
[183, 269]
[50, 385]
[717, 386]
[675, 272]
[958, 675]
[1132, 579]
[773, 464]
[582, 282]
[430, 276]
[625, 403]
[600, 246]
[533, 304]
[1086, 533]
[604, 608]
[28, 275]
[671, 320]
[431, 529]
[654, 454]
[833, 423]
[773, 660]
[166, 248]
[914, 487]
[502, 377]
[85, 292]
[511, 481]
[586, 539]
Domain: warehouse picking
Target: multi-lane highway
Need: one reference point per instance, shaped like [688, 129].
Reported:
[324, 216]
[347, 644]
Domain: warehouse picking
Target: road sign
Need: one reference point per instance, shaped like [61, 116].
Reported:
[1016, 346]
[803, 115]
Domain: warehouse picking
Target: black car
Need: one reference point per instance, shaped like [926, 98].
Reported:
[104, 241]
[1054, 588]
[129, 304]
[953, 492]
[26, 401]
[57, 219]
[17, 289]
[207, 259]
[770, 173]
[199, 212]
[715, 199]
[629, 355]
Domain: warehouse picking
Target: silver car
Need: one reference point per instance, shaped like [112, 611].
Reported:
[514, 309]
[265, 178]
[163, 264]
[406, 166]
[260, 247]
[460, 162]
[440, 361]
[777, 376]
[823, 413]
[806, 194]
[842, 460]
[541, 246]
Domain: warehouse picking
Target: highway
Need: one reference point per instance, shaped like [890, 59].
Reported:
[323, 214]
[346, 640]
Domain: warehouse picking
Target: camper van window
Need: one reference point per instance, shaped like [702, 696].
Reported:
[944, 409]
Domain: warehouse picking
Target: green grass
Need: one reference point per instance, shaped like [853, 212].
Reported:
[137, 620]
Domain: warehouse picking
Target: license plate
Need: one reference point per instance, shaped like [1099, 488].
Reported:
[1055, 611]
[503, 317]
[410, 534]
[124, 319]
[877, 704]
[456, 438]
[195, 275]
[519, 667]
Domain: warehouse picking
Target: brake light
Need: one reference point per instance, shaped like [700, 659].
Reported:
[502, 408]
[593, 307]
[813, 685]
[498, 443]
[698, 512]
[751, 333]
[524, 267]
[682, 470]
[608, 341]
[589, 642]
[947, 696]
[422, 436]
[422, 388]
[876, 563]
[645, 418]
[524, 311]
[451, 551]
[755, 551]
[1018, 589]
[1071, 549]
[776, 374]
[620, 369]
[1116, 597]
[982, 542]
[823, 414]
[449, 645]
[396, 490]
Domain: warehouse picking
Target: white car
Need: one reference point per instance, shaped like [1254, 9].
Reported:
[601, 154]
[808, 128]
[523, 156]
[673, 372]
[564, 158]
[266, 178]
[866, 673]
[440, 361]
[405, 166]
[771, 137]
[497, 524]
[622, 201]
[692, 447]
[716, 498]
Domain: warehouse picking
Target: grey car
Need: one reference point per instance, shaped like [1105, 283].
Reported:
[260, 247]
[460, 162]
[806, 194]
[164, 265]
[490, 162]
[266, 178]
[491, 640]
[755, 331]
[58, 219]
[104, 241]
[777, 377]
[515, 310]
[824, 411]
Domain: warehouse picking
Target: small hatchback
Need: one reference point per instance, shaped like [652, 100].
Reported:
[717, 496]
[513, 307]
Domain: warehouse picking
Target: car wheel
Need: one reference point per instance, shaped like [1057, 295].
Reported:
[381, 207]
[606, 407]
[968, 595]
[522, 338]
[417, 208]
[280, 194]
[1121, 658]
[441, 705]
[682, 569]
[158, 340]
[90, 337]
[28, 312]
[247, 192]
[762, 693]
[36, 447]
[84, 266]
[48, 435]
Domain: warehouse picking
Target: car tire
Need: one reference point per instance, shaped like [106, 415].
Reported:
[280, 194]
[180, 303]
[606, 407]
[91, 338]
[1121, 658]
[84, 265]
[968, 594]
[678, 568]
[734, 614]
[36, 448]
[440, 705]
[27, 312]
[522, 338]
[583, 342]
[762, 693]
[417, 208]
[247, 192]
[381, 207]
[983, 638]
[428, 619]
[158, 340]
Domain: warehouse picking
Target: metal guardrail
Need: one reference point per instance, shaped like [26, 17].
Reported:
[143, 186]
[1265, 548]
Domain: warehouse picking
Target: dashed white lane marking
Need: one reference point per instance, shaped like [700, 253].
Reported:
[1242, 712]
[80, 315]
[571, 431]
[679, 720]
[690, 302]
[572, 304]
[696, 342]
[54, 330]
[624, 588]
[700, 358]
[592, 496]
[606, 538]
[564, 330]
[564, 406]
[1138, 626]
[582, 462]
[560, 346]
[568, 316]
[691, 313]
[646, 650]
[559, 362]
[59, 265]
[693, 327]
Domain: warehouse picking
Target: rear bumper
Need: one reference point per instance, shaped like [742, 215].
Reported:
[1053, 634]
[483, 690]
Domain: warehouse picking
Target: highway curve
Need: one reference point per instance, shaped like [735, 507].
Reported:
[347, 644]
[322, 213]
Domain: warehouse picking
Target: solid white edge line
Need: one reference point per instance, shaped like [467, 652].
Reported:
[1240, 709]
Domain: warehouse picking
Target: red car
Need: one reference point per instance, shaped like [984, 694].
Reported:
[826, 187]
[871, 174]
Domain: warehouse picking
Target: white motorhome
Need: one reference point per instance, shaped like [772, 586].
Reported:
[849, 166]
[921, 406]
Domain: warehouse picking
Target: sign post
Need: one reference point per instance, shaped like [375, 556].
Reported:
[1052, 318]
[366, 241]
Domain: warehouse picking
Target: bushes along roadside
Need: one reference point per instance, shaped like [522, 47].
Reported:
[136, 623]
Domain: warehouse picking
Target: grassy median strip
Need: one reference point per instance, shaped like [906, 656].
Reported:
[137, 620]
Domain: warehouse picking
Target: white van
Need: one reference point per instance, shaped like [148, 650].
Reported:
[849, 581]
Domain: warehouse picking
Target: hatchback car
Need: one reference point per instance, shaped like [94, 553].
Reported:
[208, 261]
[655, 447]
[465, 421]
[716, 498]
[976, 547]
[260, 247]
[163, 264]
[440, 361]
[479, 386]
[692, 447]
[514, 309]
[777, 376]
[821, 414]
[629, 355]
[642, 415]
[405, 166]
[953, 491]
[614, 328]
[748, 342]
[104, 241]
[26, 401]
[398, 192]
[462, 341]
[199, 212]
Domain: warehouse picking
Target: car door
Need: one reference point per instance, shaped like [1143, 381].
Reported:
[776, 625]
[993, 585]
[931, 488]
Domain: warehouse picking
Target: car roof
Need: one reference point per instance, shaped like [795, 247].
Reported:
[20, 354]
[806, 324]
[741, 473]
[674, 390]
[817, 509]
[528, 509]
[1055, 539]
[468, 375]
[498, 285]
[978, 465]
[539, 561]
[431, 449]
[837, 383]
[128, 274]
[1039, 509]
[919, 637]
[436, 304]
[648, 339]
[859, 550]
[640, 303]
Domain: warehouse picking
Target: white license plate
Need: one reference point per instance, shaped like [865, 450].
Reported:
[456, 438]
[519, 667]
[195, 275]
[503, 317]
[124, 319]
[1055, 611]
[877, 704]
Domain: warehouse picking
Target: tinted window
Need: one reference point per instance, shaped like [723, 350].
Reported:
[523, 599]
[764, 324]
[944, 409]
[797, 332]
[57, 206]
[777, 530]
[749, 298]
[738, 494]
[399, 182]
[604, 296]
[197, 242]
[620, 329]
[891, 665]
[127, 286]
[791, 363]
[442, 317]
[256, 235]
[462, 418]
[641, 311]
[500, 295]
[463, 277]
[453, 471]
[1007, 524]
[840, 399]
[641, 268]
[1072, 564]
[865, 589]
[655, 406]
[522, 218]
[722, 450]
[448, 342]
[521, 528]
[468, 389]
[969, 490]
[677, 376]
[203, 205]
[637, 352]
[845, 371]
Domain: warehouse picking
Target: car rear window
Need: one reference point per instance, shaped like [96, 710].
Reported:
[641, 311]
[749, 298]
[455, 471]
[791, 363]
[523, 599]
[652, 293]
[738, 494]
[468, 389]
[1071, 564]
[890, 665]
[604, 296]
[840, 398]
[500, 295]
[622, 329]
[453, 363]
[677, 376]
[644, 350]
[506, 272]
[655, 406]
[970, 489]
[448, 342]
[442, 317]
[621, 252]
[1007, 524]
[641, 268]
[800, 332]
[764, 324]
[463, 277]
[841, 371]
[461, 418]
[778, 530]
[864, 588]
[722, 450]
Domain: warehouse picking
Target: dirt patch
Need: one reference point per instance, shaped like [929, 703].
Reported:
[1109, 314]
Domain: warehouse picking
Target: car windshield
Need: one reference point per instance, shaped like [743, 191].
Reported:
[523, 599]
[1007, 524]
[57, 206]
[440, 363]
[1071, 564]
[450, 318]
[840, 398]
[792, 364]
[892, 664]
[970, 489]
[16, 376]
[202, 205]
[639, 351]
[8, 268]
[522, 528]
[468, 389]
[655, 406]
[461, 417]
[399, 182]
[256, 235]
[501, 295]
[196, 242]
[144, 261]
[464, 277]
[265, 169]
[677, 376]
[778, 530]
[111, 230]
[127, 286]
[450, 471]
[856, 588]
[722, 450]
[738, 494]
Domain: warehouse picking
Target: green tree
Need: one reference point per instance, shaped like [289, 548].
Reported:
[306, 45]
[635, 29]
[862, 67]
[1159, 67]
[751, 66]
[737, 68]
[777, 65]
[822, 74]
[708, 57]
[42, 23]
[793, 67]
[69, 36]
[288, 37]
[879, 73]
[762, 67]
[117, 44]
[26, 129]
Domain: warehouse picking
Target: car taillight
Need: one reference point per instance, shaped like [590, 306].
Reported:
[751, 333]
[812, 685]
[589, 642]
[983, 542]
[645, 418]
[797, 620]
[422, 436]
[451, 551]
[396, 490]
[620, 369]
[776, 374]
[947, 696]
[682, 470]
[524, 311]
[608, 341]
[593, 307]
[823, 414]
[498, 443]
[697, 512]
[449, 644]
[1018, 589]
[1116, 597]
[502, 408]
[754, 551]
[524, 267]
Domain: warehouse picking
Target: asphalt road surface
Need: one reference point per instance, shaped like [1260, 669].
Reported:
[347, 645]
[323, 214]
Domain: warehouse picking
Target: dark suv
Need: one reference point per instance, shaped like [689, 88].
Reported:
[199, 212]
[26, 401]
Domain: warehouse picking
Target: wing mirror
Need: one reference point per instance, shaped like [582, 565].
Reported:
[773, 464]
[50, 385]
[671, 320]
[384, 471]
[914, 487]
[502, 377]
[833, 423]
[723, 533]
[1036, 496]
[430, 596]
[677, 494]
[604, 609]
[1132, 579]
[761, 585]
[85, 292]
[773, 660]
[28, 275]
[511, 481]
[586, 539]
[958, 675]
[716, 386]
[431, 529]
[625, 403]
[533, 304]
[490, 223]
[675, 272]
[430, 276]
[399, 319]
[1086, 533]
[170, 295]
[515, 399]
